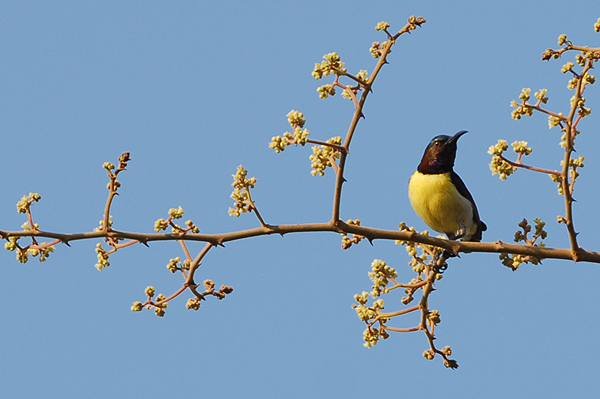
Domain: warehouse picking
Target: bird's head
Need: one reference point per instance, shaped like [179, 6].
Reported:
[440, 154]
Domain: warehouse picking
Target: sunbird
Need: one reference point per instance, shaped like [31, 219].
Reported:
[439, 196]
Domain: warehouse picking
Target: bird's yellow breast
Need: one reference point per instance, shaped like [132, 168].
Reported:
[437, 201]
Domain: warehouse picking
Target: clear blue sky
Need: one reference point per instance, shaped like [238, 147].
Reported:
[192, 90]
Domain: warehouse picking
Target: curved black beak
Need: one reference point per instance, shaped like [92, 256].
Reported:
[457, 136]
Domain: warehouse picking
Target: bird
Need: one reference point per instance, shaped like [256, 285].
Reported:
[439, 196]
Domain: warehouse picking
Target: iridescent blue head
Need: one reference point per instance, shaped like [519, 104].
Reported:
[440, 154]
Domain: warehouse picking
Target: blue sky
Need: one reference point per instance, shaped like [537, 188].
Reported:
[192, 90]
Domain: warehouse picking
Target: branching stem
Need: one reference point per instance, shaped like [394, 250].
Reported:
[519, 164]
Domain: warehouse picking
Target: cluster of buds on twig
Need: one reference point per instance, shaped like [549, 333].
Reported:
[241, 192]
[299, 135]
[355, 239]
[40, 250]
[160, 303]
[513, 261]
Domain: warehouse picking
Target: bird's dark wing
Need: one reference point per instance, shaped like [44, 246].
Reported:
[462, 189]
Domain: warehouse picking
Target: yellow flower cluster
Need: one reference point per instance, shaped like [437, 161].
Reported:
[579, 102]
[101, 224]
[326, 91]
[434, 317]
[23, 253]
[347, 241]
[330, 64]
[102, 257]
[415, 21]
[159, 305]
[525, 94]
[159, 309]
[589, 78]
[241, 195]
[150, 291]
[192, 227]
[380, 274]
[176, 213]
[193, 303]
[578, 163]
[520, 147]
[513, 261]
[524, 108]
[26, 227]
[382, 25]
[371, 335]
[362, 75]
[323, 156]
[42, 252]
[498, 148]
[541, 96]
[300, 136]
[499, 165]
[160, 224]
[296, 118]
[346, 93]
[567, 67]
[562, 39]
[417, 262]
[25, 203]
[11, 244]
[554, 120]
[428, 354]
[176, 264]
[377, 49]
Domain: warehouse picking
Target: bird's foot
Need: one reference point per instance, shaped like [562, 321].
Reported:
[461, 232]
[439, 260]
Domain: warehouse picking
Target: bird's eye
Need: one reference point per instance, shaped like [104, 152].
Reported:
[437, 144]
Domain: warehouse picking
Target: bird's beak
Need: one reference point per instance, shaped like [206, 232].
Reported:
[457, 136]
